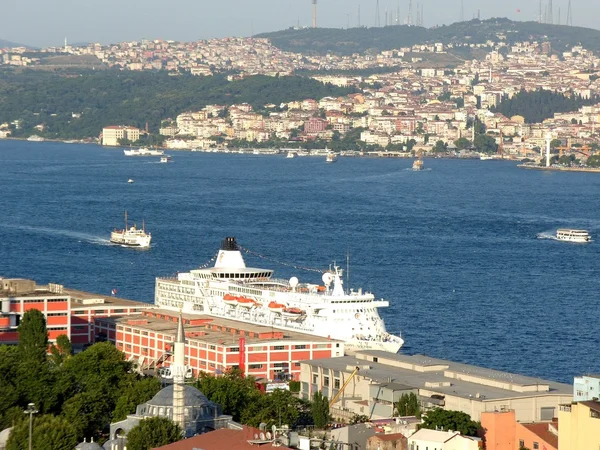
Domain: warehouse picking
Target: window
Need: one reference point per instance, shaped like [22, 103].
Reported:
[336, 383]
[300, 347]
[547, 413]
[279, 347]
[315, 378]
[536, 446]
[255, 366]
[375, 359]
[326, 381]
[521, 443]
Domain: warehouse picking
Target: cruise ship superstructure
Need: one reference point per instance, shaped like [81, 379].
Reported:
[233, 291]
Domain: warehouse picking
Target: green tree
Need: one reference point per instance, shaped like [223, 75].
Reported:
[153, 432]
[462, 143]
[49, 433]
[279, 406]
[135, 393]
[33, 370]
[232, 391]
[593, 161]
[61, 350]
[9, 396]
[320, 410]
[358, 418]
[408, 405]
[484, 143]
[440, 147]
[450, 420]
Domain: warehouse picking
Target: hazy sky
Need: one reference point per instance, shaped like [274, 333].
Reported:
[44, 23]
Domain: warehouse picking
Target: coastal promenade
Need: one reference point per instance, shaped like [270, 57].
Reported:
[560, 169]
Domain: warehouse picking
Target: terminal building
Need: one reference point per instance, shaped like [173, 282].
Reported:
[215, 345]
[67, 311]
[374, 381]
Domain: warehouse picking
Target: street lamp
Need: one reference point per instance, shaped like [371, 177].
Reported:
[31, 411]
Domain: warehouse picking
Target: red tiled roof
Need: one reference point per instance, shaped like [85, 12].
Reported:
[222, 439]
[541, 430]
[388, 437]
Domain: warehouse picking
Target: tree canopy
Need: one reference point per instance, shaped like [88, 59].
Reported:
[450, 420]
[535, 106]
[153, 432]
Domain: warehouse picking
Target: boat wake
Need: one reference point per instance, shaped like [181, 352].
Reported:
[410, 169]
[81, 237]
[547, 235]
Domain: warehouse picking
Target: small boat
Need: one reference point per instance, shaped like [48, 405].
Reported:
[331, 157]
[131, 236]
[143, 152]
[571, 235]
[166, 159]
[293, 313]
[246, 302]
[291, 155]
[276, 307]
[417, 165]
[130, 180]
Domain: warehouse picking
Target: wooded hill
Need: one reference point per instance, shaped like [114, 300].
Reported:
[360, 40]
[113, 97]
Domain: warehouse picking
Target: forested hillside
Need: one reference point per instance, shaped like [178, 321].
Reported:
[359, 40]
[130, 98]
[541, 104]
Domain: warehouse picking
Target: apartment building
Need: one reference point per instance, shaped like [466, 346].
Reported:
[112, 134]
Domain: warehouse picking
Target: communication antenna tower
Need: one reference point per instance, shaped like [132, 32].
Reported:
[314, 13]
[569, 15]
[377, 18]
[478, 14]
[540, 18]
[462, 11]
[358, 16]
[409, 17]
[558, 21]
[549, 19]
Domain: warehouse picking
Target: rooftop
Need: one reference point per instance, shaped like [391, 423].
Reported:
[442, 376]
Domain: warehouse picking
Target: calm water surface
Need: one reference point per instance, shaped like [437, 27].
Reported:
[453, 248]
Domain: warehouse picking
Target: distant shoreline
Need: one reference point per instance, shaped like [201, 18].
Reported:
[560, 169]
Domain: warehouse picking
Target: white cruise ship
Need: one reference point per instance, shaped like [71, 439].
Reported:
[143, 152]
[236, 292]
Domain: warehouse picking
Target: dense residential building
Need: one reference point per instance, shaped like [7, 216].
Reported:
[586, 387]
[442, 440]
[376, 381]
[579, 424]
[504, 432]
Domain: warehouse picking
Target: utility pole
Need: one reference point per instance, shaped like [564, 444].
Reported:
[31, 411]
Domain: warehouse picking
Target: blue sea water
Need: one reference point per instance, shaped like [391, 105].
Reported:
[455, 249]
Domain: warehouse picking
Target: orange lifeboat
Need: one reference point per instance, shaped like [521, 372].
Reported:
[276, 307]
[230, 299]
[246, 302]
[293, 313]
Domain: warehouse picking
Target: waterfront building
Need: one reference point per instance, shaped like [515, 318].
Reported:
[112, 134]
[579, 426]
[215, 345]
[504, 432]
[382, 378]
[586, 387]
[67, 311]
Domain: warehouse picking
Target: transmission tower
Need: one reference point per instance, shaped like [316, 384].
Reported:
[549, 18]
[377, 18]
[569, 16]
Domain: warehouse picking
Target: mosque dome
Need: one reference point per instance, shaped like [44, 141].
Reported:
[191, 397]
[88, 446]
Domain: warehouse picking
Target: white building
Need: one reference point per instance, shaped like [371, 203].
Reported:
[441, 440]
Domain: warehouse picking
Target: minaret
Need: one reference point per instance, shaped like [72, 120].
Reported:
[178, 370]
[548, 139]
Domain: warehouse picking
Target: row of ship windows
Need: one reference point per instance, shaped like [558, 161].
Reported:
[242, 290]
[171, 288]
[351, 301]
[175, 296]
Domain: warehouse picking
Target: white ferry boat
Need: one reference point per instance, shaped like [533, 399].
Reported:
[570, 235]
[417, 165]
[131, 236]
[166, 159]
[331, 157]
[233, 291]
[143, 152]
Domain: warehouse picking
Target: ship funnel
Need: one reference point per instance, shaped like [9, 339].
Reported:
[229, 255]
